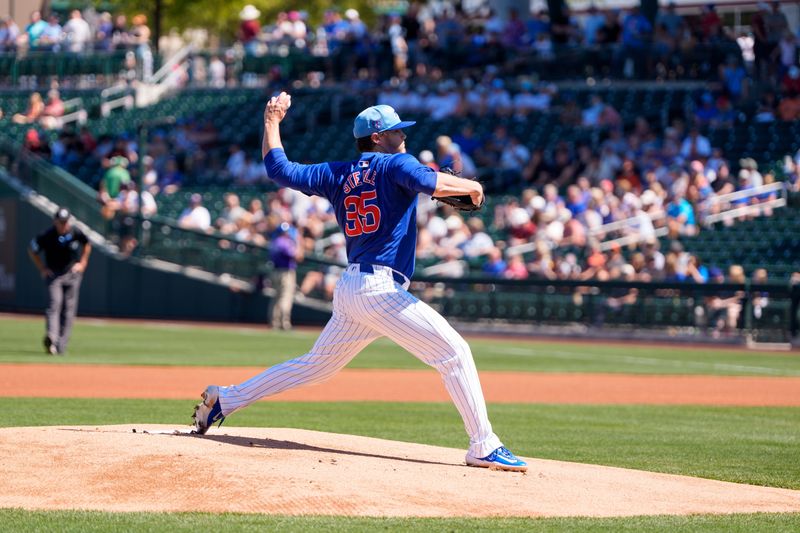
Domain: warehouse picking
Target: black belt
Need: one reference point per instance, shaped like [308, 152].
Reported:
[366, 268]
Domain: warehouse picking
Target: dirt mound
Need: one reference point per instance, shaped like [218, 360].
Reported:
[139, 467]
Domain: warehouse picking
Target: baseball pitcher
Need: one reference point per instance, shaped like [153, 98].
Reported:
[375, 198]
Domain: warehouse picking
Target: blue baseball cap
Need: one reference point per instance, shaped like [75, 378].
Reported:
[377, 119]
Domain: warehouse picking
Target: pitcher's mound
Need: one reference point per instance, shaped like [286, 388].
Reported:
[289, 471]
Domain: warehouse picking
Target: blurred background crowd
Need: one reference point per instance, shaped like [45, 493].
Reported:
[468, 74]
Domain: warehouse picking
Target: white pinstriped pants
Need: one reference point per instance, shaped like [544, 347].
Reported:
[366, 307]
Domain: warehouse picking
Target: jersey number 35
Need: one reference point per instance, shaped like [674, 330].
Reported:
[362, 217]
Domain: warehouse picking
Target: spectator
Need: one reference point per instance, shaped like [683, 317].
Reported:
[789, 107]
[196, 216]
[600, 115]
[791, 81]
[611, 30]
[725, 307]
[525, 102]
[619, 300]
[231, 214]
[734, 78]
[766, 108]
[695, 145]
[628, 177]
[570, 115]
[479, 242]
[536, 25]
[325, 281]
[468, 141]
[636, 32]
[760, 298]
[254, 172]
[140, 38]
[750, 172]
[494, 265]
[53, 110]
[298, 30]
[499, 100]
[34, 111]
[120, 38]
[50, 39]
[786, 54]
[113, 179]
[104, 33]
[514, 157]
[515, 268]
[543, 46]
[34, 143]
[670, 20]
[123, 209]
[171, 179]
[592, 23]
[514, 31]
[680, 217]
[216, 73]
[591, 116]
[34, 30]
[707, 113]
[249, 30]
[236, 165]
[442, 104]
[710, 22]
[399, 46]
[776, 25]
[696, 270]
[761, 42]
[77, 33]
[726, 114]
[9, 34]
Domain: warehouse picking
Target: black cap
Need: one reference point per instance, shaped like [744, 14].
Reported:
[62, 214]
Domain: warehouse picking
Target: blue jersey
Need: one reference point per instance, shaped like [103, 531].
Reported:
[375, 198]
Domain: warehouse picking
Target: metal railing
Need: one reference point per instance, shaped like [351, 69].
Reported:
[15, 66]
[736, 204]
[53, 182]
[117, 96]
[629, 230]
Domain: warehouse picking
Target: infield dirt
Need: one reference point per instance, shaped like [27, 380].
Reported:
[163, 382]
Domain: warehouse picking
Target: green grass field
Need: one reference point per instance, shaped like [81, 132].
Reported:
[183, 344]
[15, 520]
[750, 445]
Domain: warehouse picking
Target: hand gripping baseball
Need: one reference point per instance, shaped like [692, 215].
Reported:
[277, 106]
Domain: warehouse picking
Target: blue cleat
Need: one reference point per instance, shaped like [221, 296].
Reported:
[208, 412]
[500, 459]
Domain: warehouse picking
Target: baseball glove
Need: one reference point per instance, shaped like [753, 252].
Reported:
[461, 203]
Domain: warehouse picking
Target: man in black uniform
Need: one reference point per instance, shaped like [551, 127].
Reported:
[66, 254]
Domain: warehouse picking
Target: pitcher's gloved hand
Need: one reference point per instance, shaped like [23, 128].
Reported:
[461, 203]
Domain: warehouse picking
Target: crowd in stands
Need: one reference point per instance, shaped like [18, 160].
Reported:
[669, 180]
[443, 35]
[44, 113]
[80, 33]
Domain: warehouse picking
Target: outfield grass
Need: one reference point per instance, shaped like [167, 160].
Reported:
[170, 344]
[747, 445]
[80, 521]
